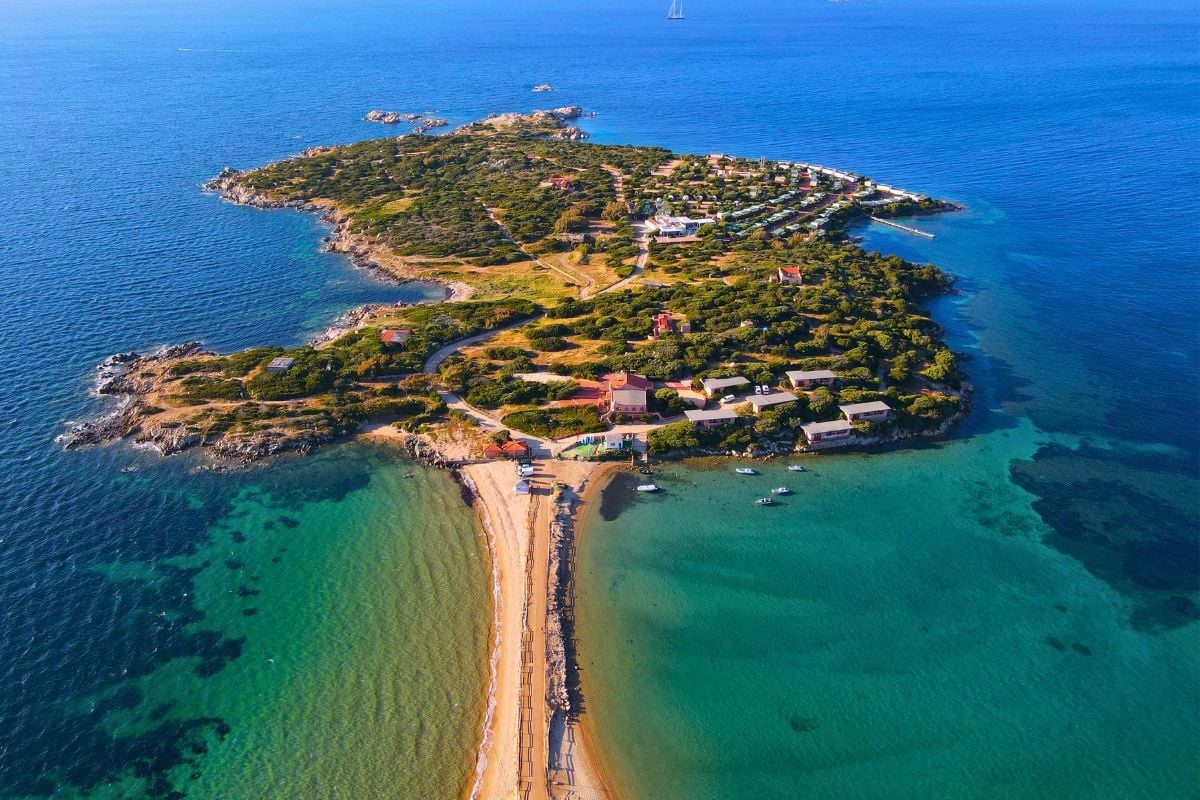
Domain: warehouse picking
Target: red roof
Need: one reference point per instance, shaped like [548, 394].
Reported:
[493, 451]
[515, 447]
[395, 335]
[793, 272]
[620, 380]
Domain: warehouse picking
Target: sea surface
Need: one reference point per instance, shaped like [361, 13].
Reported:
[1009, 614]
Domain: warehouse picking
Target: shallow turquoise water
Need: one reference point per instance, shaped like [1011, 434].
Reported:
[896, 628]
[1081, 293]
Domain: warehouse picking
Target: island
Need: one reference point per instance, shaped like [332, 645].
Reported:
[605, 303]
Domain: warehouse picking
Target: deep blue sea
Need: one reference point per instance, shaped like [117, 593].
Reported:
[1069, 131]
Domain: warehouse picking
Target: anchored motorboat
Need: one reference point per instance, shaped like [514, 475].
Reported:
[781, 490]
[764, 501]
[647, 487]
[796, 468]
[745, 471]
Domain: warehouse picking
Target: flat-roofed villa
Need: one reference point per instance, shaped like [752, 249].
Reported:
[715, 387]
[712, 418]
[874, 411]
[819, 432]
[790, 275]
[808, 378]
[765, 401]
[280, 364]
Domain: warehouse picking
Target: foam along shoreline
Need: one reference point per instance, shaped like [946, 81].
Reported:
[517, 529]
[505, 520]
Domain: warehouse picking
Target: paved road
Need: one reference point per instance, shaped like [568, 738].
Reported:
[441, 354]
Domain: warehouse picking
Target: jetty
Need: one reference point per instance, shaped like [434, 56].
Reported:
[905, 228]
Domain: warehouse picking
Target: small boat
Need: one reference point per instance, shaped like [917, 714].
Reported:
[796, 468]
[781, 490]
[647, 487]
[745, 471]
[764, 501]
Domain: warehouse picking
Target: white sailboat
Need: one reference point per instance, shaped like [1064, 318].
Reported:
[676, 11]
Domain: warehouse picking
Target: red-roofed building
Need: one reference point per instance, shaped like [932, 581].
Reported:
[562, 183]
[514, 448]
[626, 393]
[790, 275]
[395, 337]
[662, 324]
[589, 393]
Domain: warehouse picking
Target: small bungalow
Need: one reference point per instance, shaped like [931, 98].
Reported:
[685, 327]
[716, 387]
[515, 448]
[280, 364]
[818, 432]
[760, 402]
[712, 418]
[790, 275]
[875, 411]
[394, 337]
[561, 183]
[521, 488]
[808, 378]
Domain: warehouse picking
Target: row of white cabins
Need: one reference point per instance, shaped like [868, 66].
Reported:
[839, 431]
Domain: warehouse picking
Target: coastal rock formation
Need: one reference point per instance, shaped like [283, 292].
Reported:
[390, 117]
[122, 375]
[395, 117]
[361, 250]
[559, 620]
[551, 123]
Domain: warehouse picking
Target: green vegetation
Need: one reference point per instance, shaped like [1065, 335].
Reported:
[556, 423]
[485, 193]
[430, 195]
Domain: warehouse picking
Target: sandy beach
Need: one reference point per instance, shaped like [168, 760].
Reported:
[505, 518]
[591, 779]
[509, 521]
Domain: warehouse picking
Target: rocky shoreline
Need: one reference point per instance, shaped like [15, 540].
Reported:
[361, 250]
[423, 123]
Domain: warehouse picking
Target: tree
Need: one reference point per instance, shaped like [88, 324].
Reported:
[615, 211]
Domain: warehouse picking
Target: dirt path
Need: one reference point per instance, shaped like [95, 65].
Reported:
[584, 282]
[642, 239]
